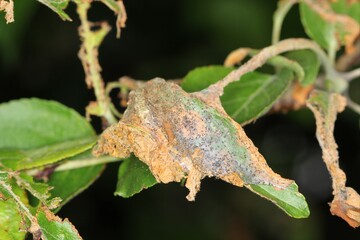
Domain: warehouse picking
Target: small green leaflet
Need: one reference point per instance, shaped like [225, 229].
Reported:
[133, 177]
[10, 217]
[309, 61]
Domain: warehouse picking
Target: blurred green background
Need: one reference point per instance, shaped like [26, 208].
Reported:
[38, 58]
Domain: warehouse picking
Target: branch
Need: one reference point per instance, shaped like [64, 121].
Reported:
[349, 76]
[278, 18]
[259, 59]
[91, 40]
[81, 163]
[236, 56]
[346, 202]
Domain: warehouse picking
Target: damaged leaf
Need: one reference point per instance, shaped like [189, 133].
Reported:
[346, 202]
[11, 220]
[328, 27]
[133, 177]
[53, 228]
[39, 190]
[181, 135]
[69, 183]
[347, 7]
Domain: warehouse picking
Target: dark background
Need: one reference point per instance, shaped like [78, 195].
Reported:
[168, 38]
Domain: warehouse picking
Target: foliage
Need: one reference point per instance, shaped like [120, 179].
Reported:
[173, 132]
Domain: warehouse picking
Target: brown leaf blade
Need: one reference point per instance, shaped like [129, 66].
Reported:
[180, 136]
[326, 106]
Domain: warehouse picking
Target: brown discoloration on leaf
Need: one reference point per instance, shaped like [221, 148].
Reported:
[300, 94]
[8, 7]
[341, 22]
[294, 99]
[234, 179]
[50, 215]
[236, 56]
[347, 60]
[181, 135]
[347, 206]
[325, 106]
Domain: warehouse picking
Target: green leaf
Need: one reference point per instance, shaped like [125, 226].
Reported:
[316, 27]
[246, 99]
[331, 30]
[36, 132]
[133, 177]
[202, 77]
[53, 228]
[254, 94]
[309, 62]
[346, 7]
[12, 155]
[57, 6]
[32, 123]
[48, 154]
[67, 184]
[10, 217]
[289, 200]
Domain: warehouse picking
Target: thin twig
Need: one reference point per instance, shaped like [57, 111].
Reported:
[238, 55]
[81, 163]
[278, 18]
[89, 57]
[349, 76]
[351, 104]
[259, 59]
[347, 60]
